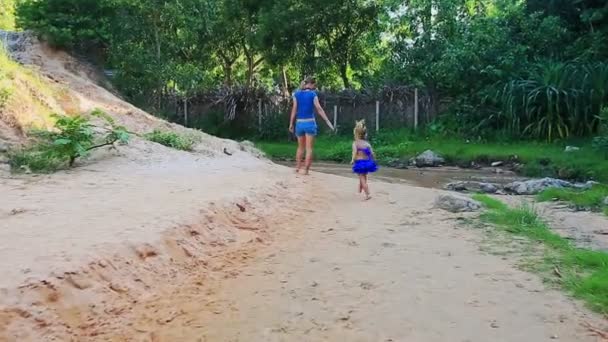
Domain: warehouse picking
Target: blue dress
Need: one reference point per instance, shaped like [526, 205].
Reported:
[365, 166]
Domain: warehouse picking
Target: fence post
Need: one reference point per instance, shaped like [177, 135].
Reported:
[377, 116]
[336, 117]
[260, 115]
[416, 108]
[186, 112]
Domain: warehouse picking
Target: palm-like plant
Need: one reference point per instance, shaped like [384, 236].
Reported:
[557, 100]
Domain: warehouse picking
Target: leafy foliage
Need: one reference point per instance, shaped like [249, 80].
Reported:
[83, 23]
[71, 138]
[600, 143]
[557, 101]
[171, 139]
[518, 69]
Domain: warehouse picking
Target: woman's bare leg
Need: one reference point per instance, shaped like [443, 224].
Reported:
[310, 142]
[300, 153]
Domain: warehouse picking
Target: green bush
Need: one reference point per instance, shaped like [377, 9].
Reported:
[556, 101]
[40, 158]
[68, 23]
[171, 139]
[600, 143]
[71, 138]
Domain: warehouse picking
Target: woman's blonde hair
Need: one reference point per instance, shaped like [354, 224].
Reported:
[360, 130]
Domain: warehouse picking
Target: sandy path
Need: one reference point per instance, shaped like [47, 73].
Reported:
[391, 269]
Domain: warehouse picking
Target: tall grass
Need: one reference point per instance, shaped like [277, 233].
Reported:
[591, 199]
[582, 272]
[556, 101]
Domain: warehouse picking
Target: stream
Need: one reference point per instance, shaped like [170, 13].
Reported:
[422, 177]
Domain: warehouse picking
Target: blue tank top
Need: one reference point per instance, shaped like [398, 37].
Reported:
[306, 103]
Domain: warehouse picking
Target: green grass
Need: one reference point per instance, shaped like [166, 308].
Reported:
[39, 158]
[539, 159]
[171, 139]
[582, 272]
[591, 199]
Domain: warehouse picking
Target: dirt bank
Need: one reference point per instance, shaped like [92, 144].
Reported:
[92, 242]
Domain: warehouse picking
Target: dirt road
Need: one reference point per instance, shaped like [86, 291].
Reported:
[158, 251]
[392, 269]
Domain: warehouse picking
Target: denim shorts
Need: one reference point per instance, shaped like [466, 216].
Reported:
[306, 128]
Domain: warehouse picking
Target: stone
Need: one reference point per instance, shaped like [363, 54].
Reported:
[488, 188]
[571, 149]
[497, 163]
[585, 186]
[473, 186]
[4, 147]
[398, 164]
[456, 204]
[534, 186]
[456, 186]
[606, 201]
[428, 158]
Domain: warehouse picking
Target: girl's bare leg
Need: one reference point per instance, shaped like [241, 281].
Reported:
[310, 142]
[365, 187]
[300, 153]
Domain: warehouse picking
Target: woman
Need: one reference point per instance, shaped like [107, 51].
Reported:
[305, 103]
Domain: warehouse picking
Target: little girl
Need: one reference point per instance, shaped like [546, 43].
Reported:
[363, 157]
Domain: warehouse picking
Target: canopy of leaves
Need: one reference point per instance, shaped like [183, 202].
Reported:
[486, 61]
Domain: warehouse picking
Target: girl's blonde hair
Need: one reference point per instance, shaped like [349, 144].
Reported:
[360, 130]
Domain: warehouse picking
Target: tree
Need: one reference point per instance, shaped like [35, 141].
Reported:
[78, 24]
[343, 37]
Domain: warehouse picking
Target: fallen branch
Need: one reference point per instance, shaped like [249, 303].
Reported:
[602, 334]
[557, 272]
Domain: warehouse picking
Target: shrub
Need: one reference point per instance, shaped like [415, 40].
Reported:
[171, 139]
[600, 143]
[71, 138]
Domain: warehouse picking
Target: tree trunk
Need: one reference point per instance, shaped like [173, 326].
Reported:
[249, 71]
[344, 76]
[285, 82]
[228, 74]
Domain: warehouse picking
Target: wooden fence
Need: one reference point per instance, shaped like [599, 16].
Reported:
[410, 108]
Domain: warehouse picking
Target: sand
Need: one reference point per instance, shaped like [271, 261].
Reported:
[164, 253]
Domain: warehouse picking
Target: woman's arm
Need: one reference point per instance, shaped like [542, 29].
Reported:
[292, 118]
[321, 112]
[352, 160]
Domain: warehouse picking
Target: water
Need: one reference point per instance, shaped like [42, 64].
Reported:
[422, 177]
